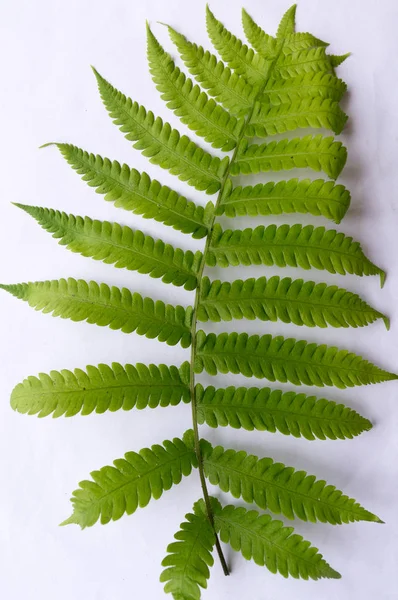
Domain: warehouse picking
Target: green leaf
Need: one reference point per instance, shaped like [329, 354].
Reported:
[315, 112]
[263, 409]
[316, 197]
[163, 145]
[291, 301]
[189, 558]
[300, 41]
[280, 489]
[207, 118]
[287, 24]
[243, 60]
[136, 192]
[101, 389]
[315, 152]
[284, 359]
[308, 85]
[293, 246]
[234, 92]
[131, 483]
[104, 305]
[269, 543]
[264, 44]
[310, 60]
[120, 245]
[337, 59]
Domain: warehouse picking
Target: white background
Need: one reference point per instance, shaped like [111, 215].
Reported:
[48, 93]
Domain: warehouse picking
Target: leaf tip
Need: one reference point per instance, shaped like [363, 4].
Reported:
[332, 574]
[383, 276]
[25, 207]
[48, 144]
[386, 321]
[69, 521]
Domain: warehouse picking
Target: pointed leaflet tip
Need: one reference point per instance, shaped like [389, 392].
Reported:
[48, 144]
[386, 321]
[383, 276]
[70, 521]
[338, 59]
[287, 24]
[26, 207]
[95, 71]
[16, 289]
[332, 574]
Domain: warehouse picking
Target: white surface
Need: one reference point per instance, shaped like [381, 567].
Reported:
[49, 93]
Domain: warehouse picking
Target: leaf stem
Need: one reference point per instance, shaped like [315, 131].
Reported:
[198, 451]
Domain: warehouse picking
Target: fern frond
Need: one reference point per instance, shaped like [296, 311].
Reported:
[287, 25]
[293, 246]
[316, 197]
[163, 145]
[243, 60]
[280, 489]
[101, 389]
[315, 112]
[291, 301]
[103, 305]
[135, 191]
[269, 543]
[310, 60]
[264, 44]
[132, 482]
[120, 246]
[204, 116]
[309, 85]
[189, 558]
[315, 152]
[284, 359]
[263, 409]
[234, 92]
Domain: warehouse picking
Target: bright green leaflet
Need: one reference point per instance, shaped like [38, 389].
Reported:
[274, 85]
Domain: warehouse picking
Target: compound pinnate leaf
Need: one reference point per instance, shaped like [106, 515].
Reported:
[269, 543]
[131, 483]
[103, 305]
[190, 556]
[292, 246]
[284, 83]
[136, 192]
[280, 489]
[263, 409]
[292, 301]
[101, 389]
[284, 359]
[121, 246]
[163, 145]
